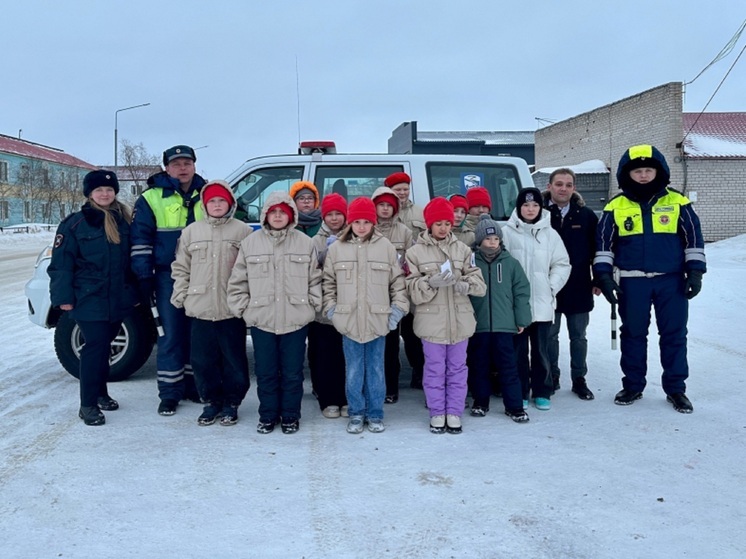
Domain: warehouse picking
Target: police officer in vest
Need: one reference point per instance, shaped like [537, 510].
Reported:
[170, 203]
[650, 250]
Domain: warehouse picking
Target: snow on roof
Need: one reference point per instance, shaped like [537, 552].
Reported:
[720, 135]
[16, 146]
[592, 166]
[491, 138]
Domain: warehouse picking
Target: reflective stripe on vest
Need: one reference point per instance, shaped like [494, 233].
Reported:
[666, 211]
[170, 212]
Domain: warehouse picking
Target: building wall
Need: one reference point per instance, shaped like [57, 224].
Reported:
[651, 117]
[716, 187]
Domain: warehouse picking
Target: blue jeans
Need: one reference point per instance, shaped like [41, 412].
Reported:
[577, 324]
[365, 383]
[278, 363]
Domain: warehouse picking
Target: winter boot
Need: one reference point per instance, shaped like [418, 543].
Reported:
[438, 424]
[290, 426]
[91, 415]
[107, 403]
[453, 424]
[265, 427]
[167, 407]
[519, 416]
[626, 397]
[209, 414]
[229, 415]
[580, 388]
[680, 402]
[479, 411]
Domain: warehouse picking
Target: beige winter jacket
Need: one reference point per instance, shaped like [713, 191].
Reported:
[442, 316]
[362, 281]
[411, 215]
[205, 254]
[276, 282]
[320, 243]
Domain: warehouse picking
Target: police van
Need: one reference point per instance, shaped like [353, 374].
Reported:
[351, 175]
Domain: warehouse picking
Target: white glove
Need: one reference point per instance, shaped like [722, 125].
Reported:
[462, 287]
[330, 312]
[443, 279]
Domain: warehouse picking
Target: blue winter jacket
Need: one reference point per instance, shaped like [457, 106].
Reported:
[89, 272]
[153, 244]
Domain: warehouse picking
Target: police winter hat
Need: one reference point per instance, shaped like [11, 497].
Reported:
[397, 178]
[643, 156]
[97, 178]
[486, 227]
[361, 208]
[438, 209]
[478, 196]
[176, 152]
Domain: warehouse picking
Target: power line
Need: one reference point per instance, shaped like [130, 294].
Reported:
[726, 50]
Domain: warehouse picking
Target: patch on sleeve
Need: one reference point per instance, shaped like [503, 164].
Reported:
[58, 240]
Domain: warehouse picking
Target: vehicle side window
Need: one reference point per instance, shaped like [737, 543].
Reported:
[501, 181]
[352, 181]
[252, 190]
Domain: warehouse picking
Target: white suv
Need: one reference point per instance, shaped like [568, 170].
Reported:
[351, 175]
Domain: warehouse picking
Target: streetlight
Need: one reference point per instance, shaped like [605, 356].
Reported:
[116, 142]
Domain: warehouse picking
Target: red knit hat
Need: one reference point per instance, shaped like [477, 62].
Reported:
[459, 201]
[333, 202]
[216, 188]
[387, 198]
[438, 209]
[285, 208]
[397, 178]
[478, 196]
[361, 208]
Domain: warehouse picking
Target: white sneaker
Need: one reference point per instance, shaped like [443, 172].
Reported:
[330, 412]
[355, 425]
[376, 426]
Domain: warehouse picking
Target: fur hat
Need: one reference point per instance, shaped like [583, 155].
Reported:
[333, 202]
[176, 152]
[478, 196]
[298, 188]
[438, 209]
[361, 208]
[97, 178]
[486, 227]
[217, 188]
[397, 178]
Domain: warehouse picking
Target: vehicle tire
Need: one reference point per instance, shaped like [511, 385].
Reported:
[129, 350]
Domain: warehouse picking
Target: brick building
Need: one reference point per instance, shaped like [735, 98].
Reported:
[706, 154]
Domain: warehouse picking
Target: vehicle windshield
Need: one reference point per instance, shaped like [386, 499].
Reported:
[252, 191]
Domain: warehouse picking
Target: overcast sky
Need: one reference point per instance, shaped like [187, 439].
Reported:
[222, 74]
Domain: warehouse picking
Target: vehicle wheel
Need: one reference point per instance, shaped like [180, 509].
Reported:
[129, 350]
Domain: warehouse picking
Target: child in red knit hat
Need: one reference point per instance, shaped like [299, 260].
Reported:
[442, 275]
[325, 354]
[365, 298]
[460, 211]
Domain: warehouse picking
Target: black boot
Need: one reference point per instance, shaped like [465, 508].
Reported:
[107, 403]
[91, 415]
[626, 397]
[680, 402]
[580, 388]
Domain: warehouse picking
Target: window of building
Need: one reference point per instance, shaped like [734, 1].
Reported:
[4, 210]
[3, 171]
[27, 213]
[63, 210]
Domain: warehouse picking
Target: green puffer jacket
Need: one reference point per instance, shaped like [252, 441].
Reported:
[507, 304]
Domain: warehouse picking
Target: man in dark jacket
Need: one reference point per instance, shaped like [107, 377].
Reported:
[576, 224]
[170, 203]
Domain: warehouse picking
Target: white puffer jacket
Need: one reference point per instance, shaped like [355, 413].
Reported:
[543, 256]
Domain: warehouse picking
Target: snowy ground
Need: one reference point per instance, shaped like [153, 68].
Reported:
[584, 480]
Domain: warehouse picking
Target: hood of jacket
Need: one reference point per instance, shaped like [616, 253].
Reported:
[576, 199]
[545, 221]
[231, 211]
[275, 198]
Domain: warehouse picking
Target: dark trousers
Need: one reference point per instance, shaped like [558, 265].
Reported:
[412, 349]
[490, 351]
[175, 377]
[391, 363]
[326, 361]
[221, 367]
[666, 294]
[577, 324]
[535, 375]
[278, 362]
[94, 359]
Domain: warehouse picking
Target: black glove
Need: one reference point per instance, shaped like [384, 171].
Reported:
[145, 287]
[608, 287]
[693, 283]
